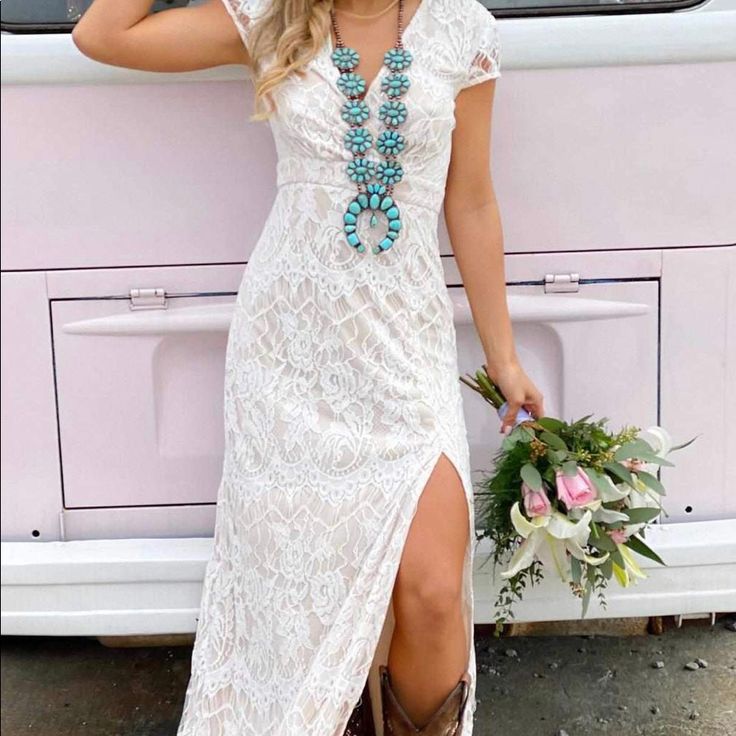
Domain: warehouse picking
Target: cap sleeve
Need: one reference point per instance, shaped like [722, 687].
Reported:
[482, 53]
[243, 13]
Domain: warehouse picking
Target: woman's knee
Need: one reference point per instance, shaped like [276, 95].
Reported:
[433, 599]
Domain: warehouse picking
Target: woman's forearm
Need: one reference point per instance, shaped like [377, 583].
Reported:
[476, 236]
[125, 33]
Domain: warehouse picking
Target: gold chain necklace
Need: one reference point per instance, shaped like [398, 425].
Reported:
[375, 15]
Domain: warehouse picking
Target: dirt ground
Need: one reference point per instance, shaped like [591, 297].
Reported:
[527, 686]
[591, 685]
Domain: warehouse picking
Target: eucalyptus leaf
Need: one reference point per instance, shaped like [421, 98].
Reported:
[632, 450]
[651, 481]
[570, 468]
[607, 568]
[508, 443]
[618, 559]
[643, 549]
[530, 475]
[559, 456]
[603, 542]
[586, 597]
[575, 569]
[550, 423]
[620, 471]
[525, 434]
[552, 457]
[642, 514]
[553, 440]
[650, 457]
[615, 524]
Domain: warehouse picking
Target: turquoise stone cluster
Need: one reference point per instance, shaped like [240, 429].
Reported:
[376, 199]
[375, 180]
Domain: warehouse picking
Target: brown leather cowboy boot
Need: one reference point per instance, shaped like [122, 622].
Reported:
[445, 720]
[361, 719]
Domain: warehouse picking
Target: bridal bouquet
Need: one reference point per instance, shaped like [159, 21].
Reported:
[569, 497]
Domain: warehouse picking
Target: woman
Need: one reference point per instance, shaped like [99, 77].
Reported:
[346, 492]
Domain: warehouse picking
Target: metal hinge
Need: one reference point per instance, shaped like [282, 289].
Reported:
[147, 298]
[556, 282]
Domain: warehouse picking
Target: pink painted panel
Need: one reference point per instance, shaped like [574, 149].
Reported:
[128, 175]
[141, 415]
[31, 484]
[698, 385]
[616, 157]
[607, 367]
[594, 158]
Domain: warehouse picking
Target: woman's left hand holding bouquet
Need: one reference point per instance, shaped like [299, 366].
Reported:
[522, 396]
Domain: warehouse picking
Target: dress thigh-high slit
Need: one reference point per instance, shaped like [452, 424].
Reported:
[381, 649]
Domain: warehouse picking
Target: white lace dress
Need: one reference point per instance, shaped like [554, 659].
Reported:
[341, 391]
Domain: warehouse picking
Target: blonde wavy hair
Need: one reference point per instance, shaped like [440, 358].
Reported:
[294, 31]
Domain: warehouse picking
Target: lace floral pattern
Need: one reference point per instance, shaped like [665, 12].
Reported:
[243, 13]
[483, 48]
[341, 391]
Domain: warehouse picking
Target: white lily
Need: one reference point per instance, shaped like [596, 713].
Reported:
[609, 516]
[631, 571]
[610, 491]
[550, 538]
[658, 438]
[640, 496]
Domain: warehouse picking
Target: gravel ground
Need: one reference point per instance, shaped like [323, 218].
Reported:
[527, 686]
[591, 685]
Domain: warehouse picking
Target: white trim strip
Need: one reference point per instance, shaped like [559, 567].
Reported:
[527, 43]
[153, 586]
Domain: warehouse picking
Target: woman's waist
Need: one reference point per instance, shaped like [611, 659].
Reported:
[412, 189]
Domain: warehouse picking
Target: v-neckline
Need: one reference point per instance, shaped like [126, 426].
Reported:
[328, 49]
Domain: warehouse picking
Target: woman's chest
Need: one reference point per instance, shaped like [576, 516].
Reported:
[311, 118]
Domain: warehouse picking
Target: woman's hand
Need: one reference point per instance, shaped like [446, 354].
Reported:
[518, 389]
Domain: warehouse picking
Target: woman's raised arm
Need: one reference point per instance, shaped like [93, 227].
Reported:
[125, 33]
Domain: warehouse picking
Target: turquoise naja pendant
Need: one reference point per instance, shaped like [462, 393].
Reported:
[375, 181]
[377, 200]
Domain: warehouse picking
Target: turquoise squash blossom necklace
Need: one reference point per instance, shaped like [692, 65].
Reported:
[375, 181]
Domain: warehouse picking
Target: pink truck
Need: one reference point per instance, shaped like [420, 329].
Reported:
[132, 201]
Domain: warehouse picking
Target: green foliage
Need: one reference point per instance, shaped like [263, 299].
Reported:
[643, 549]
[641, 515]
[512, 591]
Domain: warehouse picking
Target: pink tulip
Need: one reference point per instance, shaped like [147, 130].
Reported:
[536, 503]
[617, 535]
[576, 490]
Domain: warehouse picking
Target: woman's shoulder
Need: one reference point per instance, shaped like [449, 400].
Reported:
[250, 8]
[460, 11]
[463, 41]
[461, 22]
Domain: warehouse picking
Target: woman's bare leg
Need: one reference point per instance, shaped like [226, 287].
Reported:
[429, 650]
